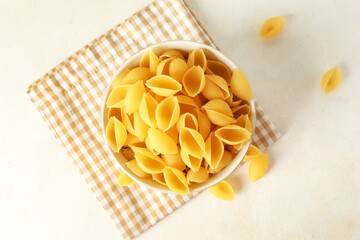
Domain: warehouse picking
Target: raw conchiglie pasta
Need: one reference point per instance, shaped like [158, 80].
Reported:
[147, 108]
[219, 112]
[128, 121]
[215, 88]
[171, 54]
[174, 160]
[162, 142]
[136, 74]
[258, 167]
[272, 27]
[159, 178]
[198, 177]
[244, 122]
[225, 160]
[173, 133]
[197, 58]
[163, 85]
[233, 100]
[115, 134]
[131, 140]
[140, 127]
[252, 153]
[187, 120]
[331, 80]
[150, 147]
[124, 180]
[128, 153]
[223, 190]
[176, 180]
[187, 104]
[118, 79]
[114, 112]
[192, 162]
[192, 142]
[134, 167]
[167, 113]
[149, 162]
[117, 96]
[177, 69]
[220, 69]
[194, 81]
[163, 67]
[240, 110]
[233, 134]
[150, 60]
[203, 123]
[240, 86]
[214, 149]
[133, 97]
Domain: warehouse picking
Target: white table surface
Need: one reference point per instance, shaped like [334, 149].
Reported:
[312, 190]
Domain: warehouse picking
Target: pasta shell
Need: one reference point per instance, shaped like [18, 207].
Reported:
[225, 160]
[131, 140]
[149, 162]
[215, 88]
[124, 180]
[134, 167]
[167, 113]
[128, 153]
[150, 60]
[159, 178]
[220, 69]
[136, 74]
[114, 112]
[214, 150]
[240, 86]
[197, 58]
[203, 123]
[272, 27]
[192, 162]
[187, 104]
[128, 121]
[115, 134]
[187, 120]
[173, 133]
[118, 79]
[252, 153]
[177, 69]
[133, 97]
[150, 147]
[233, 134]
[171, 54]
[117, 96]
[258, 167]
[174, 160]
[200, 176]
[223, 190]
[244, 122]
[240, 110]
[192, 142]
[140, 127]
[194, 81]
[331, 80]
[162, 142]
[163, 67]
[176, 180]
[147, 108]
[219, 112]
[163, 85]
[233, 100]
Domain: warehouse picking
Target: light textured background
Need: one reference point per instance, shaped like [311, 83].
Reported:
[312, 190]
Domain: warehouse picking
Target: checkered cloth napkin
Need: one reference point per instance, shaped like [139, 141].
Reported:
[69, 98]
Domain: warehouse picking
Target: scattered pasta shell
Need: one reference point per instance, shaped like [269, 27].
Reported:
[219, 112]
[171, 54]
[163, 85]
[252, 153]
[187, 104]
[134, 167]
[128, 153]
[162, 142]
[240, 86]
[244, 122]
[176, 180]
[214, 150]
[147, 108]
[233, 100]
[115, 134]
[150, 147]
[114, 112]
[227, 157]
[331, 80]
[203, 123]
[159, 178]
[194, 81]
[187, 120]
[192, 162]
[174, 160]
[192, 142]
[131, 140]
[198, 177]
[136, 74]
[215, 88]
[177, 69]
[140, 127]
[233, 134]
[272, 27]
[118, 79]
[133, 97]
[167, 113]
[150, 60]
[163, 67]
[197, 58]
[117, 96]
[258, 167]
[220, 69]
[124, 180]
[149, 162]
[223, 190]
[240, 110]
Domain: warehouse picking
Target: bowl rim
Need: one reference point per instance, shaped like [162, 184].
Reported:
[229, 63]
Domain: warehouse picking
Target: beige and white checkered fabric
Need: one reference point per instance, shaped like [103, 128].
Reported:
[69, 99]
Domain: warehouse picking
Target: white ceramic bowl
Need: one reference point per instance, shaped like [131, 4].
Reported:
[185, 46]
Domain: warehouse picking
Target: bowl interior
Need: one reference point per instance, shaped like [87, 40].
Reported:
[185, 47]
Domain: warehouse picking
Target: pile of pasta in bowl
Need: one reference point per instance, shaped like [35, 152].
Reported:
[178, 118]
